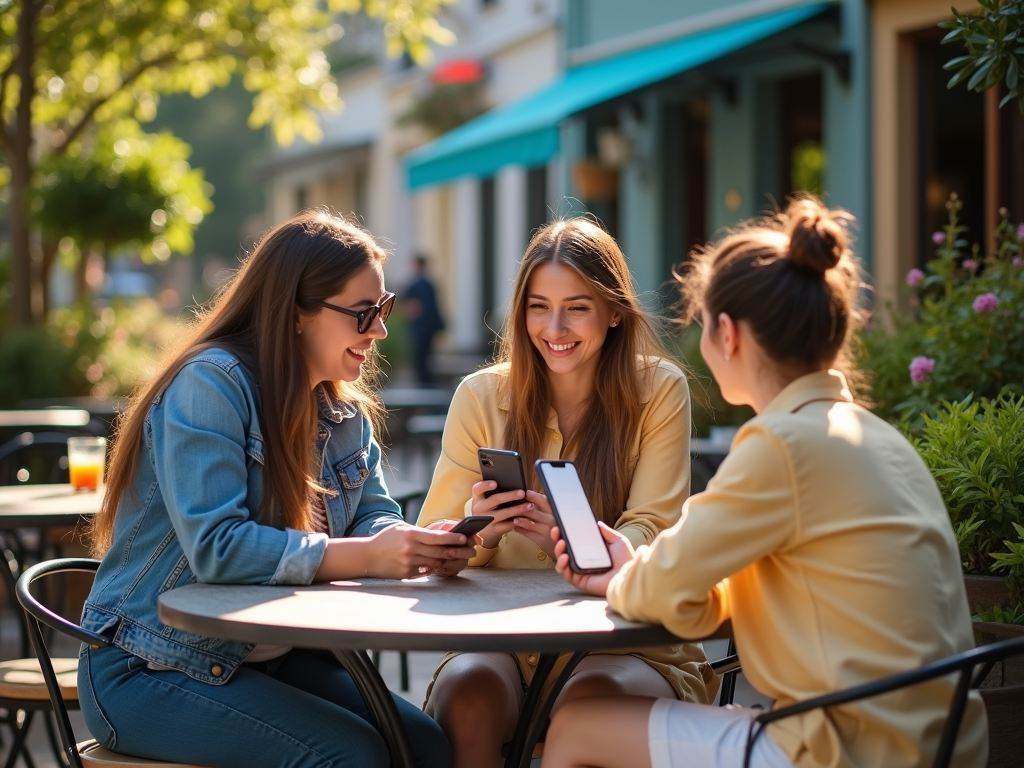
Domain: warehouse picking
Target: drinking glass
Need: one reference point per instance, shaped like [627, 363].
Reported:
[86, 456]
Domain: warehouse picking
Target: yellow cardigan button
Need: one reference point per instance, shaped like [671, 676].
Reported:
[532, 659]
[541, 556]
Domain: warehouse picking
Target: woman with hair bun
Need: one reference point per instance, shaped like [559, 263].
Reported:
[823, 537]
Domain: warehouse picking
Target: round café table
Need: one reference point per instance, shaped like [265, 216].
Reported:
[38, 506]
[483, 609]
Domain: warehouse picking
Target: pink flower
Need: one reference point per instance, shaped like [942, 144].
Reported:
[1017, 262]
[921, 368]
[1020, 231]
[970, 264]
[987, 302]
[939, 237]
[914, 277]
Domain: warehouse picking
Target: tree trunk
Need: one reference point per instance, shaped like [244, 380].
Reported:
[80, 285]
[50, 245]
[25, 299]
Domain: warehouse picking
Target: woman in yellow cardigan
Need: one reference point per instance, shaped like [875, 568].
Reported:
[582, 375]
[823, 537]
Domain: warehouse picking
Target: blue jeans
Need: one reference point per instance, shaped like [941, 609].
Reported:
[300, 710]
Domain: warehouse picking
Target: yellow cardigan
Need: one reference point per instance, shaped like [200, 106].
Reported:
[824, 538]
[659, 456]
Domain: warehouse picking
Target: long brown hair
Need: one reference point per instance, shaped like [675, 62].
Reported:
[306, 259]
[794, 277]
[628, 358]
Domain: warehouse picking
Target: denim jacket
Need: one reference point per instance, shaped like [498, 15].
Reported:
[193, 515]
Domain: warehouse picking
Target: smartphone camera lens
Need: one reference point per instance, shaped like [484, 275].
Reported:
[487, 462]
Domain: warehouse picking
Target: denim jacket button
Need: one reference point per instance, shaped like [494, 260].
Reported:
[216, 670]
[364, 471]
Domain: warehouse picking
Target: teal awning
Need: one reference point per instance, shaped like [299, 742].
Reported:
[526, 132]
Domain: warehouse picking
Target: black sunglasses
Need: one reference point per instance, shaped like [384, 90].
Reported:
[365, 317]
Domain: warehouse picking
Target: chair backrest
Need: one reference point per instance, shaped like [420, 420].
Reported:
[985, 658]
[33, 442]
[36, 613]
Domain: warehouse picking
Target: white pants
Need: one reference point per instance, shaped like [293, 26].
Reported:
[685, 735]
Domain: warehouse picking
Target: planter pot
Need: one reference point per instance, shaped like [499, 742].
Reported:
[1003, 689]
[983, 592]
[595, 182]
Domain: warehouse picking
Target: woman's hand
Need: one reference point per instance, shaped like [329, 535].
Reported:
[452, 567]
[502, 523]
[594, 583]
[537, 523]
[404, 551]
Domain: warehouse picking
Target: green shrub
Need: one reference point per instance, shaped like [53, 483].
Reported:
[34, 363]
[967, 335]
[975, 450]
[83, 351]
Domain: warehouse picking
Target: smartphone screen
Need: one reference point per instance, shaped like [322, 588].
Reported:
[575, 516]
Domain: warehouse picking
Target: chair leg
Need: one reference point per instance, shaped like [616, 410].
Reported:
[403, 663]
[18, 746]
[55, 745]
[728, 687]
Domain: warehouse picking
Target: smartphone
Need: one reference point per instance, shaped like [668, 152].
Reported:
[506, 469]
[587, 550]
[471, 526]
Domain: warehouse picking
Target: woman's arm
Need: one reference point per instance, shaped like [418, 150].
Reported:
[748, 511]
[466, 429]
[199, 433]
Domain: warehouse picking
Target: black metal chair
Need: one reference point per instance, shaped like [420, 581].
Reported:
[964, 663]
[86, 753]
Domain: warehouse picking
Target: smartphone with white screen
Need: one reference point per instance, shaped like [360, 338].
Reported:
[587, 550]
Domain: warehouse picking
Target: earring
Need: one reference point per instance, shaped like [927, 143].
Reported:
[298, 331]
[615, 324]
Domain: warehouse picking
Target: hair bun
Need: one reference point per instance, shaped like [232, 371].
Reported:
[817, 236]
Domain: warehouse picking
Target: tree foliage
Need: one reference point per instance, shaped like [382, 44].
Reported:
[132, 188]
[68, 66]
[994, 39]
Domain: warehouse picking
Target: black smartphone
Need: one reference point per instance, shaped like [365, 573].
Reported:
[505, 468]
[471, 526]
[588, 552]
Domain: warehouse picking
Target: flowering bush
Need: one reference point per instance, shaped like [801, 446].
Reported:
[966, 335]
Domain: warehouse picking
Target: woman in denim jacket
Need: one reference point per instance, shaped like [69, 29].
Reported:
[251, 460]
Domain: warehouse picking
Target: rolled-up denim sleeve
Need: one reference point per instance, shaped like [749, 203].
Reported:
[376, 510]
[199, 433]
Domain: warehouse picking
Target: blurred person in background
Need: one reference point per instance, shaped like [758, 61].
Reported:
[419, 305]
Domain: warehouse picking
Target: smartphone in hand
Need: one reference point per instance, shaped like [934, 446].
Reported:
[588, 552]
[471, 526]
[505, 468]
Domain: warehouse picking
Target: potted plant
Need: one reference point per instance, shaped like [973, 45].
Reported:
[952, 376]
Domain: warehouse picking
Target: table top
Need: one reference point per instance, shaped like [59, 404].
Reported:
[482, 609]
[45, 417]
[31, 506]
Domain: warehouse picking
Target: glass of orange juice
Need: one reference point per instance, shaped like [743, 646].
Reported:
[86, 456]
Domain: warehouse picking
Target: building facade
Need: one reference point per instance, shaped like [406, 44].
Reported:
[671, 120]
